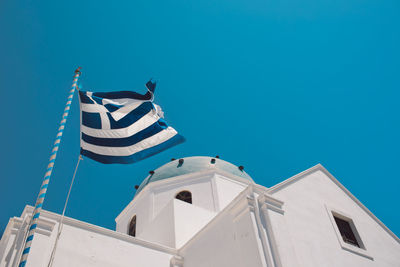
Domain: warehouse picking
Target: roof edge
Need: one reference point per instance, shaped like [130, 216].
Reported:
[319, 167]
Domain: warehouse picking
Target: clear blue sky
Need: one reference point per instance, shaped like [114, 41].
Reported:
[276, 86]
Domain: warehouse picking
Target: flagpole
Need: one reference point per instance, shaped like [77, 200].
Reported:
[49, 170]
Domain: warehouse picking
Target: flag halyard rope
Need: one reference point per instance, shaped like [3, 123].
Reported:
[60, 224]
[49, 170]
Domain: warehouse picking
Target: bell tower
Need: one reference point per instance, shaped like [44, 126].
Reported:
[179, 198]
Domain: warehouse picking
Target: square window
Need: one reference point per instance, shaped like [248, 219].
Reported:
[345, 231]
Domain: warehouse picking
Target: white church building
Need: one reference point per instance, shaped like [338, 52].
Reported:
[206, 212]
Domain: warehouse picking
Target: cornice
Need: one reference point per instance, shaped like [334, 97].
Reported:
[268, 202]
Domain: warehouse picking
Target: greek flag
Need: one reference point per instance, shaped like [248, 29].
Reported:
[123, 127]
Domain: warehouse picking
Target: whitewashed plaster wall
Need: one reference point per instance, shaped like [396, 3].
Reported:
[229, 240]
[163, 219]
[14, 236]
[161, 230]
[189, 220]
[288, 225]
[80, 244]
[227, 190]
[308, 229]
[78, 247]
[200, 187]
[156, 196]
[143, 207]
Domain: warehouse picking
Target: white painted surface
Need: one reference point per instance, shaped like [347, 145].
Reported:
[144, 208]
[80, 244]
[311, 231]
[161, 230]
[201, 189]
[227, 190]
[164, 220]
[231, 222]
[228, 241]
[78, 247]
[189, 220]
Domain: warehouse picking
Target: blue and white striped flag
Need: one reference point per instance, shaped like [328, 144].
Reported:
[123, 127]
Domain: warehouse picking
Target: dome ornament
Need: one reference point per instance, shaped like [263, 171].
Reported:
[180, 162]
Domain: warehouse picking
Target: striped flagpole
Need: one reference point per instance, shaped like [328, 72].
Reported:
[49, 170]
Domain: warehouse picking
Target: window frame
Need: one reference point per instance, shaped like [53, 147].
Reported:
[362, 250]
[350, 237]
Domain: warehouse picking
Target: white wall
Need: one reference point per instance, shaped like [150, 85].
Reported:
[311, 232]
[156, 196]
[80, 244]
[201, 189]
[227, 190]
[176, 224]
[293, 228]
[162, 229]
[78, 247]
[228, 241]
[11, 244]
[161, 220]
[189, 219]
[143, 209]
